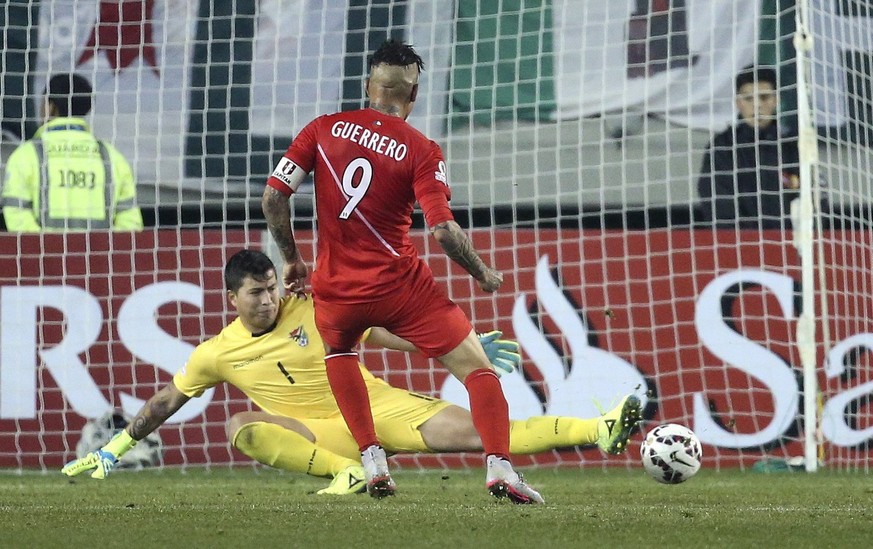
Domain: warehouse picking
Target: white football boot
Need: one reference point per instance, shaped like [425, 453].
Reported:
[379, 481]
[503, 482]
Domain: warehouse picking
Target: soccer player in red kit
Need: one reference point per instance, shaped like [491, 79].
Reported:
[370, 168]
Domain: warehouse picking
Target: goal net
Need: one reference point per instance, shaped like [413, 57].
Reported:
[583, 152]
[840, 79]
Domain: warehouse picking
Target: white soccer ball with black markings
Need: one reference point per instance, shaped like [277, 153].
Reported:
[671, 453]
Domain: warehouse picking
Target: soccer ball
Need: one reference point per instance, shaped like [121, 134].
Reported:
[97, 432]
[671, 453]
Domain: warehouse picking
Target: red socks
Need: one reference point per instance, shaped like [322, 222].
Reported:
[490, 411]
[487, 404]
[351, 396]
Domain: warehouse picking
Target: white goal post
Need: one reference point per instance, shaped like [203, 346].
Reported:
[575, 133]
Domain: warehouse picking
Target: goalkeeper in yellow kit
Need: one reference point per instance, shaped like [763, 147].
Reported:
[273, 353]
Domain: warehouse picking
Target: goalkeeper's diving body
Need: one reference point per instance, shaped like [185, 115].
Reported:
[273, 353]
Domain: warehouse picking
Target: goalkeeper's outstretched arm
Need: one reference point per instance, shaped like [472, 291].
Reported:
[502, 353]
[152, 415]
[156, 411]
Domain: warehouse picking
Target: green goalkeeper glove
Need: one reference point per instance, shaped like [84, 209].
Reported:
[502, 353]
[102, 460]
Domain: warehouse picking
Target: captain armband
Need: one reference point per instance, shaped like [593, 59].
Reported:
[289, 174]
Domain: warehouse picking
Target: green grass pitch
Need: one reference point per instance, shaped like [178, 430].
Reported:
[585, 508]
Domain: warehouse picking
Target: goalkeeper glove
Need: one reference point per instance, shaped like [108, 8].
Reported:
[102, 460]
[502, 353]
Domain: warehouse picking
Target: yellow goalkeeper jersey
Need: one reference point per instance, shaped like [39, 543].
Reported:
[282, 371]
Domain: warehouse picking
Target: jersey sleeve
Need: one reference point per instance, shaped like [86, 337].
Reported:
[298, 161]
[198, 374]
[431, 187]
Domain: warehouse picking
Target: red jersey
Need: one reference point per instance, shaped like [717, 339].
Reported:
[370, 169]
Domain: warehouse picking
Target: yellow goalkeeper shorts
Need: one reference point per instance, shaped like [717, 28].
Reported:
[397, 414]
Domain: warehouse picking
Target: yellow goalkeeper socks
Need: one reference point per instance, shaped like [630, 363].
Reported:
[539, 434]
[278, 447]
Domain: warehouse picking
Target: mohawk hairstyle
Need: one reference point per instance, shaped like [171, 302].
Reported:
[396, 53]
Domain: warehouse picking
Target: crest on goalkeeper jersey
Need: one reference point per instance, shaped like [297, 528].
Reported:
[300, 336]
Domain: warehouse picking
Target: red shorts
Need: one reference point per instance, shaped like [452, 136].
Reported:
[420, 313]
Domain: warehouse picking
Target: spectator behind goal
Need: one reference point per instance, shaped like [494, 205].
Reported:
[750, 171]
[65, 179]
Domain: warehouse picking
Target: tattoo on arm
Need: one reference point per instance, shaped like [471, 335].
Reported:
[277, 211]
[156, 411]
[458, 247]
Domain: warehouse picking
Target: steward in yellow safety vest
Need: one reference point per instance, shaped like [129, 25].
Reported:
[65, 179]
